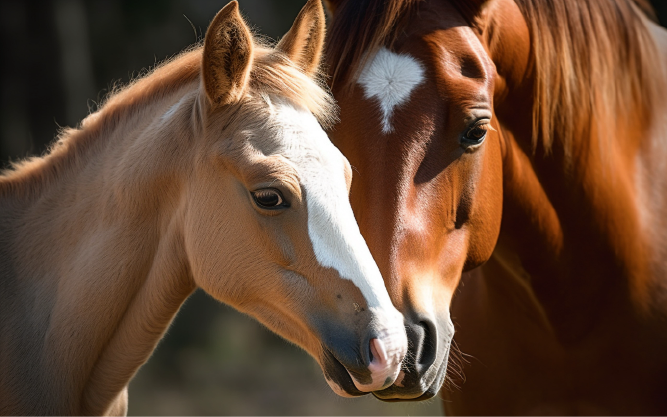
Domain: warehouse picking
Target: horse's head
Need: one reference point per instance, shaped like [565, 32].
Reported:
[269, 229]
[416, 123]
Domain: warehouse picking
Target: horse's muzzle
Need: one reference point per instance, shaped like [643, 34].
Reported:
[425, 367]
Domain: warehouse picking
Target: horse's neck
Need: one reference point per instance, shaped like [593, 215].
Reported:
[96, 270]
[594, 232]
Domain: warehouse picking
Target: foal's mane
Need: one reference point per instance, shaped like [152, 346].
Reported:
[272, 74]
[593, 60]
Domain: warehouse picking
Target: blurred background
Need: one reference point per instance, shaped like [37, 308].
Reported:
[60, 57]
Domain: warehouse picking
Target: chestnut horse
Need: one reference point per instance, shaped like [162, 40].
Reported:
[527, 137]
[212, 171]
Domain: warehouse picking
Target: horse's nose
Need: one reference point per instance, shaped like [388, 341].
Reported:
[423, 343]
[425, 366]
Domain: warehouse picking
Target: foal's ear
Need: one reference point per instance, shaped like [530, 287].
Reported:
[228, 49]
[304, 41]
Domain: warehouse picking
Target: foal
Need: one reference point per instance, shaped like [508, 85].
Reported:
[212, 171]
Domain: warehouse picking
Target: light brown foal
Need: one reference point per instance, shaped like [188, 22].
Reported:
[212, 171]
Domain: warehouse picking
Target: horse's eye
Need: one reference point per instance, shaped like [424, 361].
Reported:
[476, 134]
[269, 198]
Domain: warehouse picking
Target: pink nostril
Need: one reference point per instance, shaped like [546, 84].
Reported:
[378, 351]
[384, 367]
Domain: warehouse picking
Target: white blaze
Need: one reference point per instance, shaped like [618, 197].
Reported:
[333, 229]
[335, 235]
[389, 78]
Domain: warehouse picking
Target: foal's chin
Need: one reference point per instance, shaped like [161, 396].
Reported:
[338, 377]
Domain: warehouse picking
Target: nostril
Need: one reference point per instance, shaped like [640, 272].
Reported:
[423, 344]
[428, 348]
[378, 352]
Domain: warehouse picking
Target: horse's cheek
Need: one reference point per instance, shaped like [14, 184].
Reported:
[486, 217]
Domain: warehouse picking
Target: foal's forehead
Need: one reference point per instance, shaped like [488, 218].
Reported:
[295, 134]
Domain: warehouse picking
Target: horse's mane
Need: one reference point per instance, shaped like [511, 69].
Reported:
[272, 74]
[594, 60]
[595, 68]
[361, 26]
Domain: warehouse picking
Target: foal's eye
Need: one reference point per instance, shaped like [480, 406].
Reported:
[476, 134]
[269, 198]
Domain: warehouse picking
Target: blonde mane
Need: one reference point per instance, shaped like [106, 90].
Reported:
[272, 74]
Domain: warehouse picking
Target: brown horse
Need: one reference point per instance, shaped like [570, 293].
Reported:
[526, 137]
[212, 171]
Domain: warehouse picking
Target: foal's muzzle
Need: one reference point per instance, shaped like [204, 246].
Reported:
[352, 368]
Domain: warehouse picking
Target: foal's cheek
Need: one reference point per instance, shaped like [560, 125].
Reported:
[217, 247]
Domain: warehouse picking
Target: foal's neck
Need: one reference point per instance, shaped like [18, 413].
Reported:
[102, 248]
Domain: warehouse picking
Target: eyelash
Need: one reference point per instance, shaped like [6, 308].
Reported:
[480, 127]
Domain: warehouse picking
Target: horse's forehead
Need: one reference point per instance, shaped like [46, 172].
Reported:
[459, 52]
[450, 64]
[389, 78]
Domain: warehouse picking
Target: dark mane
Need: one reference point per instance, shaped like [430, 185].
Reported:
[593, 59]
[361, 26]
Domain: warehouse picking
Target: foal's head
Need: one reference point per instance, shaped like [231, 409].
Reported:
[416, 124]
[268, 225]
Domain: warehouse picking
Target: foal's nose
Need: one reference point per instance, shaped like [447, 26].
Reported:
[373, 362]
[382, 355]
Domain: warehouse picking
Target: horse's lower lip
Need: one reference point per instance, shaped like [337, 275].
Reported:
[424, 396]
[396, 394]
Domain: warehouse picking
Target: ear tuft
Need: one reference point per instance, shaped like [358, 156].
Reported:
[227, 59]
[303, 43]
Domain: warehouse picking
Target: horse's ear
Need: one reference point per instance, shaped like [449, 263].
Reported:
[304, 41]
[228, 49]
[472, 9]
